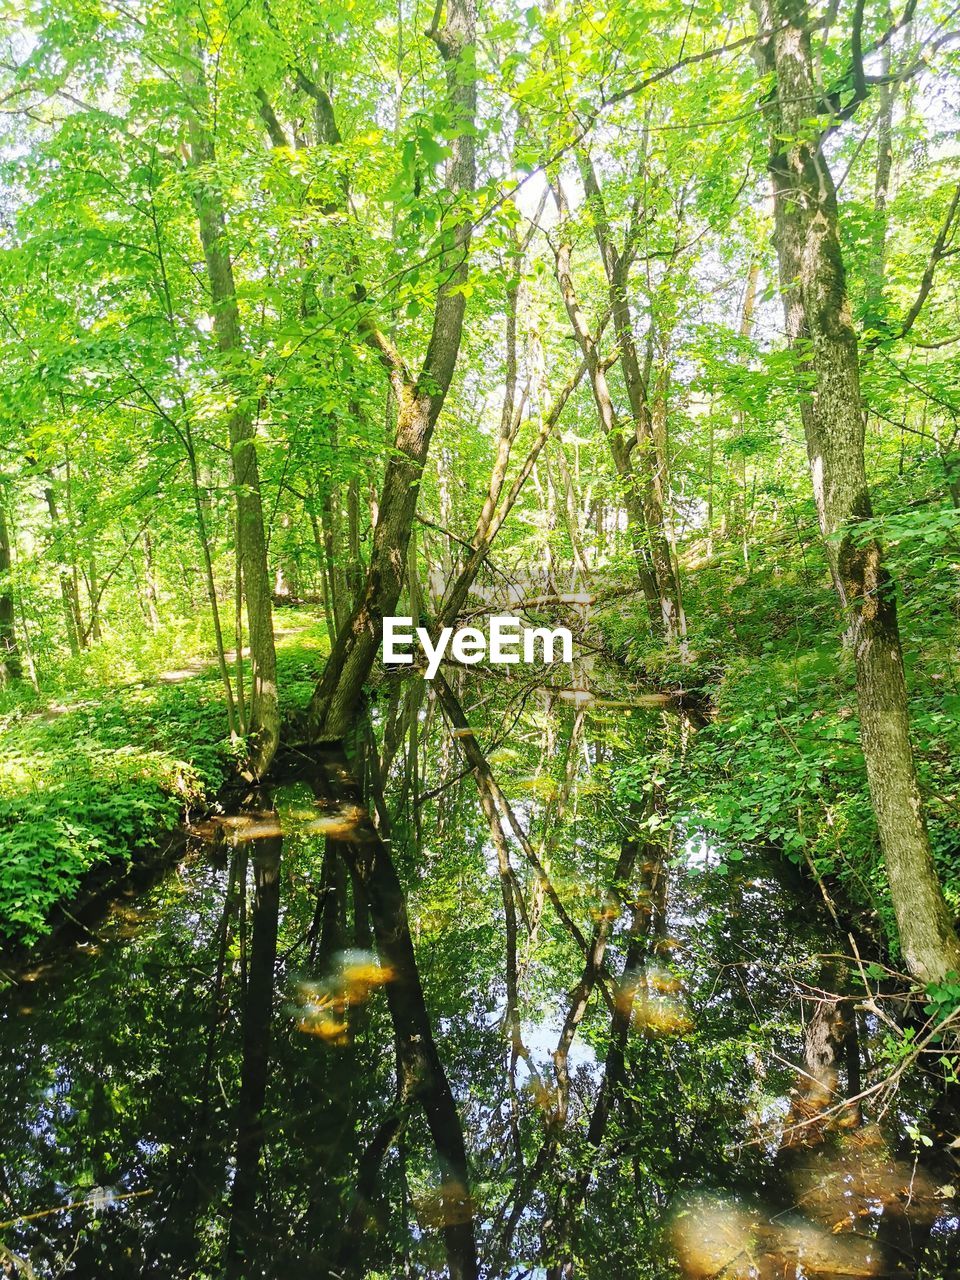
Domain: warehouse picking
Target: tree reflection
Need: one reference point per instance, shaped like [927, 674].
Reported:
[489, 1012]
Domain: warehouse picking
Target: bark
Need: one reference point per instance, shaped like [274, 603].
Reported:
[419, 401]
[264, 710]
[486, 782]
[820, 329]
[209, 580]
[645, 556]
[94, 631]
[487, 529]
[510, 889]
[592, 970]
[876, 269]
[10, 666]
[150, 583]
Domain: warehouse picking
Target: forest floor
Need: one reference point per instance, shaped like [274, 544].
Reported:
[101, 764]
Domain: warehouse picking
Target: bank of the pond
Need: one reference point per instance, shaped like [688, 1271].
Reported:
[779, 761]
[99, 769]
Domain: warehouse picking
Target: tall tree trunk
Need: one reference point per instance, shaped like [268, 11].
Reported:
[618, 444]
[819, 327]
[68, 586]
[233, 718]
[263, 721]
[421, 1076]
[419, 401]
[876, 268]
[150, 593]
[94, 631]
[245, 1227]
[10, 668]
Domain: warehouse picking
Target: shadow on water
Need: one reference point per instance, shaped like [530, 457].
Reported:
[466, 1006]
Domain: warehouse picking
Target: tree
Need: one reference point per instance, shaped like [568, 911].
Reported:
[819, 326]
[419, 399]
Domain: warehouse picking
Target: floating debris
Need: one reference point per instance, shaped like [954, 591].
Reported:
[649, 996]
[716, 1236]
[238, 827]
[855, 1175]
[576, 697]
[322, 1006]
[444, 1207]
[539, 785]
[661, 1016]
[348, 823]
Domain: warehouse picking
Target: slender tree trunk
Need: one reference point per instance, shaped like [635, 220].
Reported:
[819, 326]
[487, 529]
[877, 266]
[68, 589]
[150, 582]
[245, 1226]
[10, 667]
[93, 631]
[209, 580]
[648, 468]
[263, 721]
[422, 1078]
[646, 557]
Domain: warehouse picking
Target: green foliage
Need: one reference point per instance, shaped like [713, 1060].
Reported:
[100, 769]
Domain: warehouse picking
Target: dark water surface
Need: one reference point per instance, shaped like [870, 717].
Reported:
[319, 1049]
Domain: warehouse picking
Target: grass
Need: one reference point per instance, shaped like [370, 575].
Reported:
[106, 759]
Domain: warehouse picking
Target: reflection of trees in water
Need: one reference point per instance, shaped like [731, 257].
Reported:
[499, 1021]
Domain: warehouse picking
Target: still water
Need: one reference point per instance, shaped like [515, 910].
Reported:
[525, 1022]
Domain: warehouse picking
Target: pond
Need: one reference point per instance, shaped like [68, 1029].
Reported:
[522, 1023]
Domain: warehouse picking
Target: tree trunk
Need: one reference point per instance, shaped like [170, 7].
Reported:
[419, 402]
[877, 266]
[150, 583]
[10, 667]
[648, 475]
[68, 586]
[94, 631]
[825, 344]
[245, 1225]
[421, 1076]
[657, 602]
[264, 710]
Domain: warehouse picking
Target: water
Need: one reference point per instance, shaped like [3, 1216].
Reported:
[309, 1052]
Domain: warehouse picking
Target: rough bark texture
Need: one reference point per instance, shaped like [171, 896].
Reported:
[825, 344]
[419, 402]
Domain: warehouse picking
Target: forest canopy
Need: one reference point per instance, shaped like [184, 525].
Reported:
[638, 322]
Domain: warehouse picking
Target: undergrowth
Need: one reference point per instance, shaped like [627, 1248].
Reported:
[103, 761]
